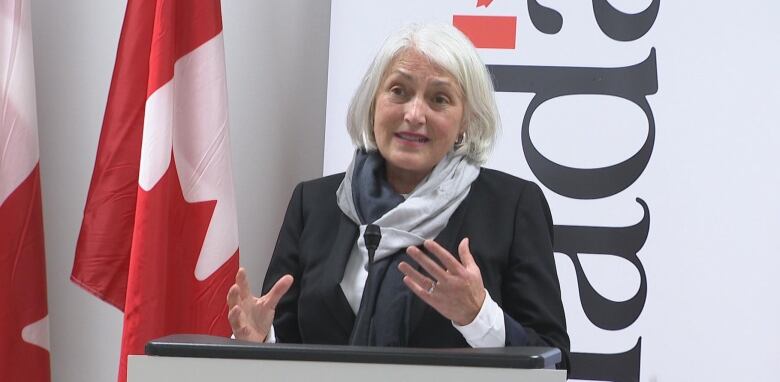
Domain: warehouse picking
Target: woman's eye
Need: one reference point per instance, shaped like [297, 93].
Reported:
[397, 90]
[441, 99]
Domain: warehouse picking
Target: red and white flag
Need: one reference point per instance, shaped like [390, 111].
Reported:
[159, 238]
[24, 319]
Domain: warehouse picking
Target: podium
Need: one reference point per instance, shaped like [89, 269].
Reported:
[200, 358]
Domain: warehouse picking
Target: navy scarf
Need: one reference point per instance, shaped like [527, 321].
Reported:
[383, 317]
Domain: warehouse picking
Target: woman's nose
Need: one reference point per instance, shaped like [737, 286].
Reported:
[415, 112]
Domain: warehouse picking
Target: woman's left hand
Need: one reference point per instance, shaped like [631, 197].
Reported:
[454, 289]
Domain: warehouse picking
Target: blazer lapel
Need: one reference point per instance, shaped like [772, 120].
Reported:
[331, 292]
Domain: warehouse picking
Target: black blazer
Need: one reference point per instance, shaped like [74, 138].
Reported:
[508, 222]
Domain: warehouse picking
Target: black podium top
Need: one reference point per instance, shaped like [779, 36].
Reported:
[192, 345]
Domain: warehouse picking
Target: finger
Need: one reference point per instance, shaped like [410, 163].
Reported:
[234, 317]
[435, 270]
[418, 277]
[243, 283]
[278, 290]
[418, 290]
[450, 262]
[233, 296]
[465, 254]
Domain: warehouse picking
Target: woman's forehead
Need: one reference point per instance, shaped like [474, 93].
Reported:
[413, 65]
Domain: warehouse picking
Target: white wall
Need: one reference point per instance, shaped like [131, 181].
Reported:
[277, 56]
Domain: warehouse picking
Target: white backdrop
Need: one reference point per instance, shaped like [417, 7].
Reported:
[710, 260]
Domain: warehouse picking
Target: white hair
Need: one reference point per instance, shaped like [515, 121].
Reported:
[448, 48]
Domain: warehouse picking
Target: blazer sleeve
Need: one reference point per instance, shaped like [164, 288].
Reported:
[286, 260]
[533, 312]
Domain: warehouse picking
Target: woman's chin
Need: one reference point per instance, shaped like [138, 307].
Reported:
[409, 162]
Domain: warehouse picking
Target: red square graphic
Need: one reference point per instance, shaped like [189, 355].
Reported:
[496, 32]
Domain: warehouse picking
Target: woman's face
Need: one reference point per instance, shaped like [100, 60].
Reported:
[418, 115]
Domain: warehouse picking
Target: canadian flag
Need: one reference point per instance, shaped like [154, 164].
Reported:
[159, 238]
[24, 320]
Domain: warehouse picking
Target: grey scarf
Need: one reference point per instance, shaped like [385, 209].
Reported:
[424, 213]
[366, 197]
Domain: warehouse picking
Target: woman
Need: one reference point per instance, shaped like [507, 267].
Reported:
[465, 257]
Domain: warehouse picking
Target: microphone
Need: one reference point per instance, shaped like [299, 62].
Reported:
[362, 327]
[372, 236]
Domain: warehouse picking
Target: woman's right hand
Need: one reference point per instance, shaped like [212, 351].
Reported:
[251, 317]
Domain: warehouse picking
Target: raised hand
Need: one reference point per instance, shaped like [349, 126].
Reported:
[454, 289]
[251, 317]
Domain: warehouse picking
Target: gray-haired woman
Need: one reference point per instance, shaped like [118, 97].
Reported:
[465, 256]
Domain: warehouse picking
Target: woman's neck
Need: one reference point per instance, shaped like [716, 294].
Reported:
[404, 181]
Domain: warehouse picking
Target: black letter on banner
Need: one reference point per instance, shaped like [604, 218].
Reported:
[545, 19]
[632, 83]
[619, 367]
[624, 26]
[624, 242]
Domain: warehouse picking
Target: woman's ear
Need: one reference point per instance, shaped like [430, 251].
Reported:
[461, 139]
[371, 113]
[464, 124]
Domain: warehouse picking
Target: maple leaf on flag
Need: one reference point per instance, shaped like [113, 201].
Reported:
[166, 296]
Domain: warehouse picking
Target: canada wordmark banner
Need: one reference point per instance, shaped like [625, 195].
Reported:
[651, 128]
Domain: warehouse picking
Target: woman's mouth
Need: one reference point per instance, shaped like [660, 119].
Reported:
[411, 137]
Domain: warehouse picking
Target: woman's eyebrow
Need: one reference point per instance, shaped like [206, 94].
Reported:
[445, 82]
[439, 82]
[403, 73]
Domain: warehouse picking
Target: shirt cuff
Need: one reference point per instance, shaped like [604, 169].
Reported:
[488, 328]
[269, 339]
